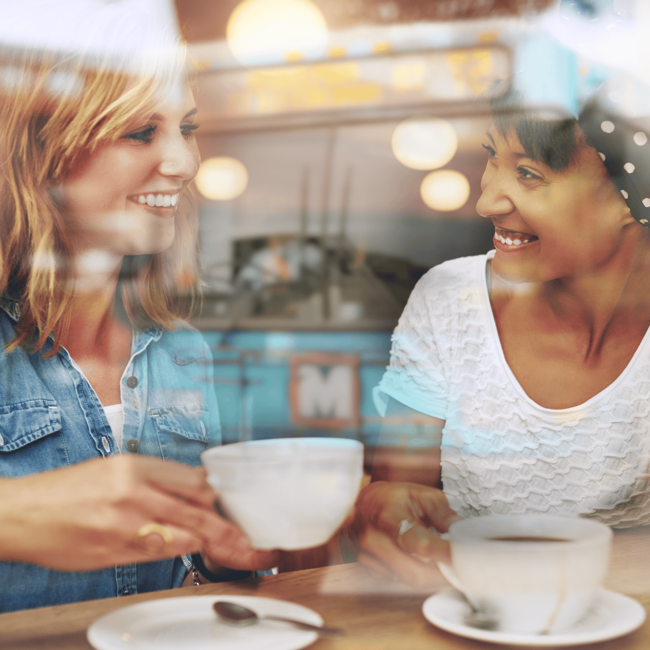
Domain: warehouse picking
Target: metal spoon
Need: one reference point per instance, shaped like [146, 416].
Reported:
[241, 616]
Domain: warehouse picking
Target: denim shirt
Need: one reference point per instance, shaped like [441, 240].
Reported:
[51, 417]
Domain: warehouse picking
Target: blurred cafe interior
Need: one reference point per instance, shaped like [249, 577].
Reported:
[341, 160]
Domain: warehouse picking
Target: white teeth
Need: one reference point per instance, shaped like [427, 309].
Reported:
[510, 242]
[157, 200]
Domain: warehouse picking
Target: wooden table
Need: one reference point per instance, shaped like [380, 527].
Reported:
[375, 615]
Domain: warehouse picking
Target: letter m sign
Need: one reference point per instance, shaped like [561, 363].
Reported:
[324, 390]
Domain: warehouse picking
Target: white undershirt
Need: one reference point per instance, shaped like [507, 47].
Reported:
[115, 417]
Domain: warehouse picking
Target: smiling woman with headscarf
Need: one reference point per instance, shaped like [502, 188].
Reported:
[530, 364]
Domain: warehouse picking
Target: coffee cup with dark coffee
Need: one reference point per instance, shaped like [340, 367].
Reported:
[533, 573]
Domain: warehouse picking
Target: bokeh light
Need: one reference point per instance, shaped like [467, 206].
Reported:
[262, 31]
[221, 178]
[424, 143]
[445, 190]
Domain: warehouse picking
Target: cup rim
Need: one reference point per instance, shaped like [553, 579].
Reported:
[257, 451]
[593, 532]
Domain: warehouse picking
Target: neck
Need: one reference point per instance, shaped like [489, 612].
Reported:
[601, 297]
[93, 321]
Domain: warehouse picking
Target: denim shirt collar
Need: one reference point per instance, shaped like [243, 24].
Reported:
[142, 338]
[11, 307]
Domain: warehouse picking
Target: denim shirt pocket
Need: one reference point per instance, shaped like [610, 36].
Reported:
[185, 356]
[26, 441]
[182, 432]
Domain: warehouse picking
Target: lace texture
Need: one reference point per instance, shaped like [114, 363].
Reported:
[501, 452]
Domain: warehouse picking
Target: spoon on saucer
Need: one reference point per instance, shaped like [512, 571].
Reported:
[241, 616]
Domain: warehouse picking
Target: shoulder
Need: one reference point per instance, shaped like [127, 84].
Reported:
[184, 344]
[460, 272]
[447, 287]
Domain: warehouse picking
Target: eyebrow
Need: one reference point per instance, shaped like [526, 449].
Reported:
[158, 116]
[516, 154]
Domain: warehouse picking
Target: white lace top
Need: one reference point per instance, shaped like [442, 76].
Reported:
[502, 452]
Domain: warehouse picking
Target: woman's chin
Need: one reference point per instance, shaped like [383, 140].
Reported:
[151, 245]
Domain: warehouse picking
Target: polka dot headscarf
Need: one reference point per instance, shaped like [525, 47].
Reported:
[625, 151]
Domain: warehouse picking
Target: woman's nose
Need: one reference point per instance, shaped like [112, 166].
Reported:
[494, 199]
[179, 157]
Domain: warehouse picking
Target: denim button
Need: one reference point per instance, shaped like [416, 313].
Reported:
[132, 382]
[107, 447]
[132, 445]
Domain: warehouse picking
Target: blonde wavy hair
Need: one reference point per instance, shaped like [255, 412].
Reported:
[55, 111]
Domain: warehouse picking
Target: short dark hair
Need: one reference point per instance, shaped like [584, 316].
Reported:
[551, 140]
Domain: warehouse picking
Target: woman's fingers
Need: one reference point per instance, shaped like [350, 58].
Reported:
[432, 506]
[401, 564]
[204, 522]
[417, 504]
[169, 542]
[426, 546]
[223, 542]
[392, 528]
[173, 477]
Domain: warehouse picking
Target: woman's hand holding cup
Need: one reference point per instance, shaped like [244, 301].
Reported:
[112, 511]
[391, 531]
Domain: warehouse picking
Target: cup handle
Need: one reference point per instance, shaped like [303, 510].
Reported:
[450, 576]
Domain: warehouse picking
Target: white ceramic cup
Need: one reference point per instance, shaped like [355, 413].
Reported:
[530, 587]
[287, 493]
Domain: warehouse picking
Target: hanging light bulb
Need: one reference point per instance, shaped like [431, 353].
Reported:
[424, 143]
[262, 31]
[445, 190]
[222, 178]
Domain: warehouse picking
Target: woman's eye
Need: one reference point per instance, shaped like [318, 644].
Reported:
[490, 151]
[145, 135]
[527, 175]
[187, 129]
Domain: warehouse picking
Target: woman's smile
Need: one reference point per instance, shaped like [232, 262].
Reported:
[159, 203]
[509, 240]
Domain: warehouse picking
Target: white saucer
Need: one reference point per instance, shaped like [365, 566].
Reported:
[613, 615]
[190, 622]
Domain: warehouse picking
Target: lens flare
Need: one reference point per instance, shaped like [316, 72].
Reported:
[222, 178]
[424, 143]
[260, 31]
[445, 190]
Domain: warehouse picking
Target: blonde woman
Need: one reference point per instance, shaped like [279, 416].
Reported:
[98, 272]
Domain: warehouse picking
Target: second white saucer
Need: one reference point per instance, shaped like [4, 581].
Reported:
[613, 615]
